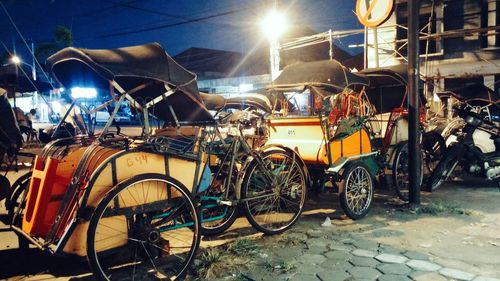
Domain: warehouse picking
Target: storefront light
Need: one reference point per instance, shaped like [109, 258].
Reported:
[86, 93]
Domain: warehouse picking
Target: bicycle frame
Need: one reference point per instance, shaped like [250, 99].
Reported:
[232, 157]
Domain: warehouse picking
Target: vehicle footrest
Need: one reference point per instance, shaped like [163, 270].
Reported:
[337, 165]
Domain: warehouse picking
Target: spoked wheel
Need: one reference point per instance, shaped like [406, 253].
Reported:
[16, 201]
[4, 187]
[433, 147]
[145, 228]
[218, 216]
[445, 166]
[274, 192]
[400, 171]
[357, 190]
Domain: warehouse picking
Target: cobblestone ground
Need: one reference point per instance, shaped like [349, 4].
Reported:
[458, 242]
[455, 236]
[317, 254]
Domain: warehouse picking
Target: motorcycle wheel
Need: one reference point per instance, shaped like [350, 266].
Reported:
[433, 147]
[445, 167]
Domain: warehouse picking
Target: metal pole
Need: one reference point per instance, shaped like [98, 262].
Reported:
[330, 40]
[413, 98]
[33, 66]
[274, 60]
[365, 49]
[375, 43]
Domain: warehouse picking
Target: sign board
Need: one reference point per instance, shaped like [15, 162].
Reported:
[372, 13]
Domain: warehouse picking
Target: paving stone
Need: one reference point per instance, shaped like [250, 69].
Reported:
[364, 253]
[423, 265]
[427, 276]
[364, 261]
[311, 259]
[338, 255]
[309, 269]
[456, 274]
[250, 275]
[388, 250]
[289, 252]
[317, 250]
[323, 242]
[394, 268]
[348, 241]
[390, 258]
[416, 255]
[366, 245]
[315, 233]
[364, 272]
[393, 277]
[333, 275]
[341, 247]
[337, 265]
[41, 277]
[297, 236]
[484, 278]
[303, 277]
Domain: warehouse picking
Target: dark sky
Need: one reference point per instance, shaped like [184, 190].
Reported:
[176, 24]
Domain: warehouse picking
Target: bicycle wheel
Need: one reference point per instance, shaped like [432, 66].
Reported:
[145, 228]
[273, 193]
[357, 190]
[16, 201]
[445, 167]
[400, 172]
[217, 217]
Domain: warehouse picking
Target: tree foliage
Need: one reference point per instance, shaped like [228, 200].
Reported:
[62, 38]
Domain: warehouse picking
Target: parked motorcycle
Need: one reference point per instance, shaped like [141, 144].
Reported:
[476, 147]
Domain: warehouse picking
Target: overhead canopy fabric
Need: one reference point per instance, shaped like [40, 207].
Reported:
[327, 74]
[146, 71]
[243, 101]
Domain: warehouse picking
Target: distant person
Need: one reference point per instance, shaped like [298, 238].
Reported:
[22, 121]
[32, 115]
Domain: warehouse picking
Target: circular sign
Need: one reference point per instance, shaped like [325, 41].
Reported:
[373, 13]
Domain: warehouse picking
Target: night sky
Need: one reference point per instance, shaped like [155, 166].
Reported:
[176, 24]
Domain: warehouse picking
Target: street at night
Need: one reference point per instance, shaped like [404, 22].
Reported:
[250, 140]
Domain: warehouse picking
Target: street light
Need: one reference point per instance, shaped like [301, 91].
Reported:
[15, 59]
[273, 26]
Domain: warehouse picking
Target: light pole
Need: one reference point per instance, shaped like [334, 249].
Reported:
[18, 61]
[273, 26]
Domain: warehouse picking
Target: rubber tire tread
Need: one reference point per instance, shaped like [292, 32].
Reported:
[91, 257]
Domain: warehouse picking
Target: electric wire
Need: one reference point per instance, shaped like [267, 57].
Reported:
[32, 52]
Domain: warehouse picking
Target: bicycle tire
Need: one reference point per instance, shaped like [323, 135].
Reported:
[20, 185]
[142, 235]
[354, 172]
[267, 213]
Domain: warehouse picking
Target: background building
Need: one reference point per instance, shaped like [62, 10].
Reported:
[459, 42]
